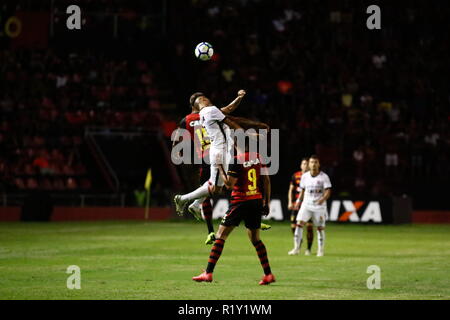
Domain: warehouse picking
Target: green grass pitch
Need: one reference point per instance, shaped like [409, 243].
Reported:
[156, 260]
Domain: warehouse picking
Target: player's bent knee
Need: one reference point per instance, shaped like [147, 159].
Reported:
[253, 235]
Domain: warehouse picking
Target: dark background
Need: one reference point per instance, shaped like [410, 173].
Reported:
[87, 112]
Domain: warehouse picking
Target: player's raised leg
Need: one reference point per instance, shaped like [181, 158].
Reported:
[215, 183]
[202, 192]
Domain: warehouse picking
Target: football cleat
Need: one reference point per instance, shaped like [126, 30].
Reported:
[320, 253]
[307, 252]
[293, 252]
[204, 277]
[195, 210]
[267, 279]
[265, 226]
[210, 238]
[180, 205]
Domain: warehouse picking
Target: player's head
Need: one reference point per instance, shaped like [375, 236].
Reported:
[304, 165]
[314, 163]
[198, 101]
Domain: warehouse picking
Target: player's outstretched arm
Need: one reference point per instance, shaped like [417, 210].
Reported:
[234, 104]
[290, 203]
[232, 124]
[325, 196]
[248, 124]
[301, 196]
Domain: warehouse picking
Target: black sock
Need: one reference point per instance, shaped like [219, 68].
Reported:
[310, 236]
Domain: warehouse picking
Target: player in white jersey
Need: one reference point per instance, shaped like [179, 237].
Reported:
[315, 189]
[218, 127]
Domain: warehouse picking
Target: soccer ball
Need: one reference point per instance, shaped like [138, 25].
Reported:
[204, 51]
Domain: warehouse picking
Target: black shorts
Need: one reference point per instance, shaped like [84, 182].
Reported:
[250, 211]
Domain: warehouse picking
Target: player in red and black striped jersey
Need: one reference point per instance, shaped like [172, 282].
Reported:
[201, 143]
[199, 137]
[294, 202]
[250, 198]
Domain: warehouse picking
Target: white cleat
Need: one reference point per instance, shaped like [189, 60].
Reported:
[307, 253]
[320, 253]
[195, 210]
[180, 205]
[293, 252]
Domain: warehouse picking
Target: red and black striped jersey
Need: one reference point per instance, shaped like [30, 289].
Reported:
[198, 134]
[247, 169]
[295, 180]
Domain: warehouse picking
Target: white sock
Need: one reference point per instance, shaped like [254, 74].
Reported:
[200, 192]
[198, 202]
[298, 237]
[321, 239]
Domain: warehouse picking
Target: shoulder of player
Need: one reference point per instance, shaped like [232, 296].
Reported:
[306, 174]
[323, 174]
[209, 109]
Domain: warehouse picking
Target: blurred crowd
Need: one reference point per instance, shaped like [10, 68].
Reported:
[373, 104]
[47, 101]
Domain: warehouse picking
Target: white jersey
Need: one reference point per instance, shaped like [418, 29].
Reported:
[219, 133]
[314, 188]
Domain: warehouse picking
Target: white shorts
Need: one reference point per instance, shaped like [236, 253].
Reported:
[318, 215]
[218, 158]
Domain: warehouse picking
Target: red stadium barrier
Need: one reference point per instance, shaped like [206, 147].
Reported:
[431, 217]
[10, 213]
[92, 213]
[115, 213]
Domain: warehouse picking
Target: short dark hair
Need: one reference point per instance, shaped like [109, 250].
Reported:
[304, 159]
[194, 97]
[314, 156]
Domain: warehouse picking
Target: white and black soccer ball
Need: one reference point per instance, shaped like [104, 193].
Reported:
[204, 51]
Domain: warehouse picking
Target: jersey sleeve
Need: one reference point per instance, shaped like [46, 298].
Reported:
[326, 182]
[234, 170]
